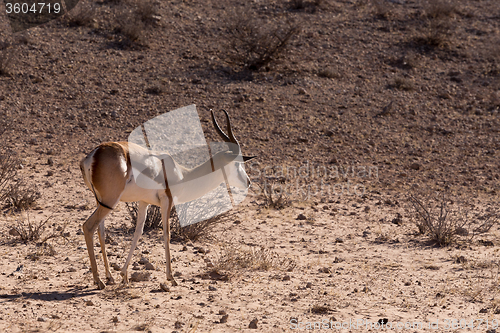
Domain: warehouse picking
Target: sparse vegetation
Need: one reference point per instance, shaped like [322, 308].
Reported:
[436, 33]
[448, 220]
[192, 232]
[22, 195]
[273, 191]
[438, 9]
[35, 232]
[236, 258]
[8, 170]
[402, 83]
[255, 42]
[153, 217]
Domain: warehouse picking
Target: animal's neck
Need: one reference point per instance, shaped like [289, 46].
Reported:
[198, 181]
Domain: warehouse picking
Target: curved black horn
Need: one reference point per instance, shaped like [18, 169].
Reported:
[226, 138]
[229, 129]
[217, 128]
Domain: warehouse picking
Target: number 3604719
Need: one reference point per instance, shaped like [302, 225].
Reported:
[36, 8]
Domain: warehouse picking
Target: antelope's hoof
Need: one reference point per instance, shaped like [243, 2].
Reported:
[164, 287]
[110, 281]
[173, 282]
[100, 285]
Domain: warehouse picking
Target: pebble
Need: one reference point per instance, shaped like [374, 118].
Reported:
[253, 324]
[140, 276]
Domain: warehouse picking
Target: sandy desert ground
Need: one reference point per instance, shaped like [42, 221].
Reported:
[369, 102]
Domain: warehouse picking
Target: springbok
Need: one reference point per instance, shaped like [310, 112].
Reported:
[108, 172]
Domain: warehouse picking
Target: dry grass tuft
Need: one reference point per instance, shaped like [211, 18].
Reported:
[404, 84]
[273, 191]
[21, 195]
[235, 258]
[153, 217]
[436, 33]
[254, 42]
[27, 231]
[191, 232]
[447, 220]
[8, 170]
[438, 9]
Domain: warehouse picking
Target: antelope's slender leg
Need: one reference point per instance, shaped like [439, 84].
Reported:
[166, 207]
[89, 228]
[102, 240]
[142, 211]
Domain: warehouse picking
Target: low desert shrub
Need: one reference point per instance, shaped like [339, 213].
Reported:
[27, 231]
[191, 232]
[236, 258]
[448, 220]
[255, 42]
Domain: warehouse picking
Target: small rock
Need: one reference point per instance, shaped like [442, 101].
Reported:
[324, 270]
[14, 232]
[143, 261]
[224, 319]
[461, 231]
[178, 325]
[149, 266]
[212, 288]
[301, 217]
[308, 285]
[484, 310]
[398, 219]
[253, 324]
[42, 319]
[302, 91]
[286, 278]
[164, 287]
[89, 303]
[222, 312]
[71, 269]
[460, 260]
[339, 240]
[140, 276]
[415, 166]
[115, 319]
[50, 161]
[115, 266]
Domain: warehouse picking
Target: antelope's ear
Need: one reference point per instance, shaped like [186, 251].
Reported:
[248, 158]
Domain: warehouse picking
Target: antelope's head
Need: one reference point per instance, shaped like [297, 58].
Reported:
[231, 161]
